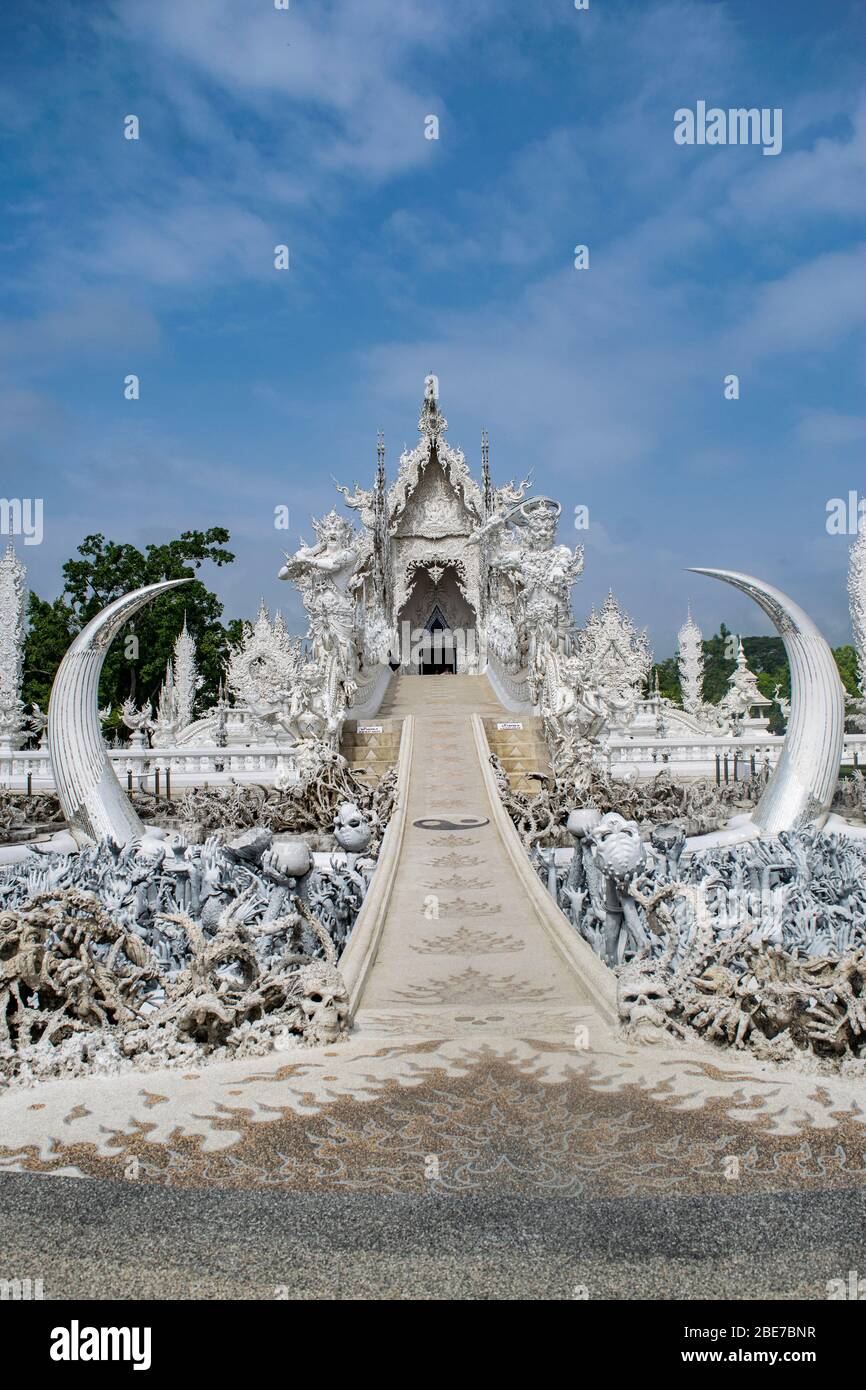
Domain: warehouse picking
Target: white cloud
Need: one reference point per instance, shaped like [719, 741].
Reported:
[87, 323]
[353, 65]
[807, 185]
[830, 429]
[197, 239]
[814, 306]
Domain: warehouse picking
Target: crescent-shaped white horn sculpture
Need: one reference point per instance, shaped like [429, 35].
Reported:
[801, 787]
[93, 801]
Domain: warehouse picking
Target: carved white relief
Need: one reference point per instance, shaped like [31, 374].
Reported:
[12, 576]
[176, 702]
[690, 656]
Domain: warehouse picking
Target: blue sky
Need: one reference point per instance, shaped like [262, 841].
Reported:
[455, 256]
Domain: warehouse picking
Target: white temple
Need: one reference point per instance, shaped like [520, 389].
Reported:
[438, 572]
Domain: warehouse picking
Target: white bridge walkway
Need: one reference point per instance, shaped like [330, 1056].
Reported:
[462, 949]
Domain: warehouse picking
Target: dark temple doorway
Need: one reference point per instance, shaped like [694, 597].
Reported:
[437, 654]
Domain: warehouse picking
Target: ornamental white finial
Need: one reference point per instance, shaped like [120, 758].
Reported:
[857, 602]
[690, 658]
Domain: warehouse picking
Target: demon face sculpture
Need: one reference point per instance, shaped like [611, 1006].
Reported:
[644, 1004]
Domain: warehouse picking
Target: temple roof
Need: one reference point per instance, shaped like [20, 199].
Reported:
[432, 445]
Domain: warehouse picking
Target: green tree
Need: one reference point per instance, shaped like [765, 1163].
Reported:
[134, 669]
[846, 660]
[766, 657]
[720, 658]
[668, 673]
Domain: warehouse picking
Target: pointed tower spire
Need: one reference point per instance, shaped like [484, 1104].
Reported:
[743, 693]
[487, 487]
[857, 602]
[431, 421]
[690, 658]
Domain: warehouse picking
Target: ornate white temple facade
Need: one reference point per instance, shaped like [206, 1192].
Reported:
[435, 572]
[438, 573]
[427, 580]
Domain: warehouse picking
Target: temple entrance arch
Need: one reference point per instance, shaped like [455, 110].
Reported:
[437, 622]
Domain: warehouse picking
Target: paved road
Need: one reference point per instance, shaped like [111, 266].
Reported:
[115, 1240]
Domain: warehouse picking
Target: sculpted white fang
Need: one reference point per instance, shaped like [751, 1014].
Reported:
[93, 802]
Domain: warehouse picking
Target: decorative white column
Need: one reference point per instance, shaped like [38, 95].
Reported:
[690, 657]
[187, 681]
[857, 603]
[12, 576]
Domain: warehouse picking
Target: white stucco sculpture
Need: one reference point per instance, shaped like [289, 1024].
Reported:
[800, 790]
[176, 702]
[325, 574]
[95, 806]
[12, 576]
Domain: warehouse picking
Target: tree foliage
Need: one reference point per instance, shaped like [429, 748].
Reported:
[766, 657]
[668, 673]
[846, 660]
[134, 669]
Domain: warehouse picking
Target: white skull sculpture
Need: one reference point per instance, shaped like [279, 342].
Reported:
[324, 1003]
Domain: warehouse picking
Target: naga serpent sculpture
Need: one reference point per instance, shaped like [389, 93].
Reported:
[93, 801]
[800, 790]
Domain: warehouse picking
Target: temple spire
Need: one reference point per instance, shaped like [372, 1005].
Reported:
[380, 524]
[486, 485]
[690, 658]
[431, 421]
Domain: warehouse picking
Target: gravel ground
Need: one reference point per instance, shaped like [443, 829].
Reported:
[92, 1240]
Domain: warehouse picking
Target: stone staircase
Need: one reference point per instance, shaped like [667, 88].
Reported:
[371, 746]
[521, 748]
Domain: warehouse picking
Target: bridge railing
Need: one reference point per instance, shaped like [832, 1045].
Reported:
[510, 688]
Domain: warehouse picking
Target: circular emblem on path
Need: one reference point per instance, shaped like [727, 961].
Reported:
[466, 823]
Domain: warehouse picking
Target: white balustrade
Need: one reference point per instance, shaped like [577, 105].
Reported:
[190, 767]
